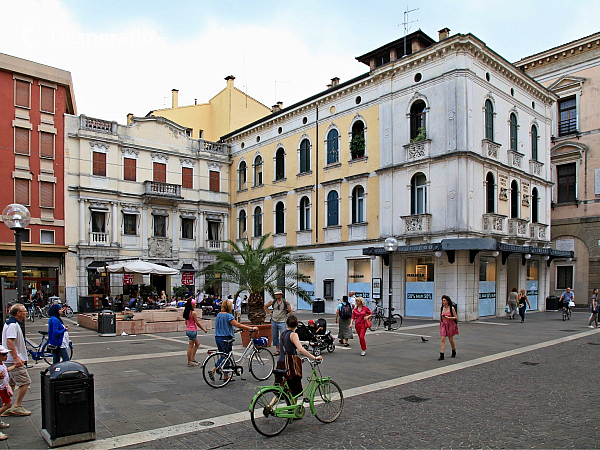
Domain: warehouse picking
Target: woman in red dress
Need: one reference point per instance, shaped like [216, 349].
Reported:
[360, 315]
[448, 327]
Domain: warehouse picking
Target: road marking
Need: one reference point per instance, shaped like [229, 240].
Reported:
[219, 421]
[410, 334]
[477, 322]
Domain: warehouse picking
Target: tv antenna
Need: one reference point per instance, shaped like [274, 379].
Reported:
[406, 23]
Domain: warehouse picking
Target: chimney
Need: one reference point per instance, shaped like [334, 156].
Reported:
[276, 107]
[129, 118]
[229, 80]
[335, 81]
[280, 105]
[444, 33]
[174, 98]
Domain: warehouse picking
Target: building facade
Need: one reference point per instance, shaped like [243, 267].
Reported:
[34, 99]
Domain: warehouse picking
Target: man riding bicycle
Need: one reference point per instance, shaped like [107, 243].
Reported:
[568, 299]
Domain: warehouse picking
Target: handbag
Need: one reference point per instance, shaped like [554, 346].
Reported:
[293, 364]
[507, 309]
[52, 348]
[368, 323]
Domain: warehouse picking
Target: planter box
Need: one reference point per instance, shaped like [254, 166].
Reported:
[263, 331]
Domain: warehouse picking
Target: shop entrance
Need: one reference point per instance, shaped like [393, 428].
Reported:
[420, 285]
[533, 270]
[487, 286]
[306, 268]
[512, 273]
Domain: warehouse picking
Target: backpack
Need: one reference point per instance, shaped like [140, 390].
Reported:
[345, 311]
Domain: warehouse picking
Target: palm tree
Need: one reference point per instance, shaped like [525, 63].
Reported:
[257, 270]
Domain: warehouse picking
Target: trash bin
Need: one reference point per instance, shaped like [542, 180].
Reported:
[552, 303]
[86, 304]
[67, 404]
[107, 323]
[318, 306]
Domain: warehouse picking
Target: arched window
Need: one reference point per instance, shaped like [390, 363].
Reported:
[257, 221]
[333, 143]
[357, 144]
[535, 201]
[258, 171]
[514, 200]
[304, 214]
[242, 176]
[490, 193]
[242, 225]
[280, 164]
[304, 156]
[417, 119]
[332, 209]
[279, 218]
[489, 120]
[513, 132]
[418, 194]
[534, 143]
[358, 204]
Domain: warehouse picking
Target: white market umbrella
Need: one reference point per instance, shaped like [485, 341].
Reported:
[138, 266]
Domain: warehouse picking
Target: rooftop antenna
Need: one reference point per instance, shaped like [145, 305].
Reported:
[165, 102]
[406, 24]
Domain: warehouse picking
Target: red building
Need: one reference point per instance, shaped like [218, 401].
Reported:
[33, 101]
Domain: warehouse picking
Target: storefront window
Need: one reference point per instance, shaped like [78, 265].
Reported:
[533, 270]
[359, 278]
[97, 283]
[487, 286]
[40, 279]
[419, 286]
[307, 268]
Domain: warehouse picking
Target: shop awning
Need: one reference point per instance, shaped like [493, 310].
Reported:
[139, 267]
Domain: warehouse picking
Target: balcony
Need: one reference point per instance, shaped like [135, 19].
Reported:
[99, 125]
[214, 245]
[418, 150]
[494, 223]
[490, 149]
[417, 223]
[517, 228]
[97, 238]
[515, 159]
[535, 167]
[157, 189]
[213, 147]
[538, 231]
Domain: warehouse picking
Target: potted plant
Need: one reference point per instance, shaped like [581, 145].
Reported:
[357, 146]
[421, 136]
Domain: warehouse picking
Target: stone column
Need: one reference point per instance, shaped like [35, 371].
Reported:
[145, 229]
[225, 231]
[113, 238]
[175, 229]
[201, 230]
[82, 237]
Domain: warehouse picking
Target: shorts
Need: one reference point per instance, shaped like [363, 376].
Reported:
[19, 376]
[192, 335]
[4, 396]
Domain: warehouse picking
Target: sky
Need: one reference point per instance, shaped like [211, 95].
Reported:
[125, 57]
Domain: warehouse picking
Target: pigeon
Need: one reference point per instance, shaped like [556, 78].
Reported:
[423, 340]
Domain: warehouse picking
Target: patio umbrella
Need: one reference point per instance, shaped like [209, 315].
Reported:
[138, 266]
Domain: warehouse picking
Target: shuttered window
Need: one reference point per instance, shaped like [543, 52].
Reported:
[46, 237]
[22, 141]
[22, 191]
[214, 177]
[46, 145]
[46, 194]
[129, 165]
[99, 164]
[47, 100]
[159, 172]
[22, 89]
[187, 177]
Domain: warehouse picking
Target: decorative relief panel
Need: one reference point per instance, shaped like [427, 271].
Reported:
[490, 149]
[493, 223]
[515, 159]
[95, 145]
[130, 151]
[418, 150]
[159, 156]
[535, 167]
[503, 185]
[160, 248]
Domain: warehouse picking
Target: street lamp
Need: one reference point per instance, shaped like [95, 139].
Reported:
[390, 245]
[17, 217]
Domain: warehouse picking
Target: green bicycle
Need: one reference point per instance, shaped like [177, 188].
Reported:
[274, 407]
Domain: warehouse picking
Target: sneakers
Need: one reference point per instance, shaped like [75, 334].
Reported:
[3, 436]
[590, 326]
[19, 411]
[363, 353]
[4, 424]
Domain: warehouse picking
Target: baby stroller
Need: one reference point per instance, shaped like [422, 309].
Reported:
[319, 338]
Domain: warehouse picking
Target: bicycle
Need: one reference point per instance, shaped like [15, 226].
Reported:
[219, 368]
[66, 309]
[380, 317]
[40, 351]
[274, 407]
[566, 311]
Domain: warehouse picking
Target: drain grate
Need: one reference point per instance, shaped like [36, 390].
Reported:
[569, 331]
[206, 423]
[593, 343]
[527, 363]
[415, 399]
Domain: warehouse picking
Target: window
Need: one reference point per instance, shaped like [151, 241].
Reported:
[160, 226]
[567, 182]
[514, 130]
[129, 224]
[214, 178]
[417, 118]
[489, 120]
[47, 237]
[304, 214]
[22, 89]
[213, 230]
[258, 174]
[358, 204]
[535, 199]
[22, 191]
[26, 235]
[534, 143]
[46, 145]
[332, 209]
[187, 178]
[98, 222]
[380, 60]
[333, 143]
[47, 99]
[159, 172]
[99, 164]
[304, 156]
[418, 194]
[357, 144]
[490, 193]
[328, 289]
[22, 141]
[279, 218]
[129, 169]
[242, 176]
[242, 226]
[46, 194]
[567, 116]
[257, 221]
[187, 228]
[514, 199]
[280, 164]
[564, 277]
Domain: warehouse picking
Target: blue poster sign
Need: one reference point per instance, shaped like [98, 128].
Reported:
[487, 298]
[532, 294]
[310, 288]
[361, 290]
[419, 298]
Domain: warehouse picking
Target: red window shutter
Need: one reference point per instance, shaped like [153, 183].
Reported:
[46, 194]
[47, 100]
[22, 141]
[159, 172]
[129, 166]
[99, 164]
[22, 191]
[22, 93]
[187, 177]
[214, 178]
[46, 145]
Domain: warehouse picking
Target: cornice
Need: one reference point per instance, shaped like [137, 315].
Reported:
[561, 52]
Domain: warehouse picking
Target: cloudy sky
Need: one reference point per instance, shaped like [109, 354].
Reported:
[127, 56]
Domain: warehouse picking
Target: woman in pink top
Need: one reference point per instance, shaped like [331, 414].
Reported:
[360, 314]
[191, 330]
[448, 327]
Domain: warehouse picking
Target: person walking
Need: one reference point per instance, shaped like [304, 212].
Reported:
[343, 315]
[511, 302]
[237, 310]
[281, 310]
[352, 298]
[360, 315]
[595, 309]
[56, 335]
[5, 390]
[13, 340]
[448, 326]
[523, 304]
[191, 331]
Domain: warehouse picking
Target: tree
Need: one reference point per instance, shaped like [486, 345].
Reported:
[257, 270]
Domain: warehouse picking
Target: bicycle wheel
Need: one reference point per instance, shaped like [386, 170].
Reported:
[564, 315]
[69, 311]
[48, 356]
[396, 321]
[262, 364]
[375, 322]
[262, 413]
[31, 315]
[327, 401]
[221, 375]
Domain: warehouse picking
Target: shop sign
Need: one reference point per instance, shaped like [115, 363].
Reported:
[376, 289]
[187, 278]
[128, 279]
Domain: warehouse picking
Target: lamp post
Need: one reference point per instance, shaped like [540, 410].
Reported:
[390, 245]
[17, 217]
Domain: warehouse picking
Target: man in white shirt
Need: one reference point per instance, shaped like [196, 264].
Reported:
[237, 311]
[352, 298]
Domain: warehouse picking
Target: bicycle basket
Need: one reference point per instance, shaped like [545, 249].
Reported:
[261, 342]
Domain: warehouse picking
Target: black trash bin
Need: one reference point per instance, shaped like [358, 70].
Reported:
[318, 306]
[552, 303]
[67, 404]
[86, 304]
[107, 323]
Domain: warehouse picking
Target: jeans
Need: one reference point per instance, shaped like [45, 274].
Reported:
[62, 354]
[223, 347]
[522, 313]
[276, 329]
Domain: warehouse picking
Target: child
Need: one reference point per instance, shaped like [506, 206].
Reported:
[313, 328]
[5, 389]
